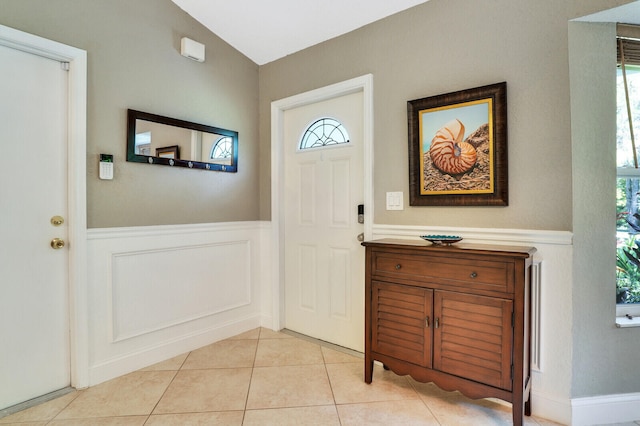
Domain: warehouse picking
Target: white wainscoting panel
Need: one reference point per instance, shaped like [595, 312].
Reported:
[156, 292]
[197, 273]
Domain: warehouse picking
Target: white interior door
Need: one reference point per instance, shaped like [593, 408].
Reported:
[34, 306]
[323, 259]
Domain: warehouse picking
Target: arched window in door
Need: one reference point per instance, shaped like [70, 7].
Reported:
[222, 149]
[323, 132]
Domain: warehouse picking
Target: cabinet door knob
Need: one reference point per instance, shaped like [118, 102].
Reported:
[437, 323]
[426, 322]
[473, 275]
[398, 266]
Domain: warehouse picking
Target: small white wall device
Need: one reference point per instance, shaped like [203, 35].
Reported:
[192, 49]
[395, 201]
[106, 166]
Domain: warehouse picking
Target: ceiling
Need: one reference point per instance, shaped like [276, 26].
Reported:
[627, 14]
[268, 30]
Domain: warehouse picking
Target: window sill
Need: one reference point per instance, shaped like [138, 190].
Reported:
[628, 321]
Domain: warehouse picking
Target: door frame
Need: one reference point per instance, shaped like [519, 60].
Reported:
[362, 84]
[76, 188]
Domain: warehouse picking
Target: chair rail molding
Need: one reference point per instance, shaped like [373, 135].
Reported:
[477, 235]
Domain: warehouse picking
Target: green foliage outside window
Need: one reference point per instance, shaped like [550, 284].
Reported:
[628, 272]
[627, 191]
[628, 249]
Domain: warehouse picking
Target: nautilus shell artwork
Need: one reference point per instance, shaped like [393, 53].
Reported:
[448, 151]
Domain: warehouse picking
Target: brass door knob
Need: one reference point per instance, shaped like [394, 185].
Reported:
[57, 243]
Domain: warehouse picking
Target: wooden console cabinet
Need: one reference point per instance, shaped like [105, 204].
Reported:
[457, 316]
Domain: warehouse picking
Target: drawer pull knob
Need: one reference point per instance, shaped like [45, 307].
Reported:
[473, 275]
[398, 266]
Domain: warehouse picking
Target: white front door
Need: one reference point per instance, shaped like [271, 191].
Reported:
[323, 259]
[34, 303]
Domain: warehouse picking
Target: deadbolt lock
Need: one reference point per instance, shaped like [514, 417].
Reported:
[57, 243]
[57, 220]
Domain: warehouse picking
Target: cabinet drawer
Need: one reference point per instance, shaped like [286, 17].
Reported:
[494, 276]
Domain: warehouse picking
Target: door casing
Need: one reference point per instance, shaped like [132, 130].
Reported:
[362, 84]
[76, 178]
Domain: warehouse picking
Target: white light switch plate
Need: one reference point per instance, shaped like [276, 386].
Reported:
[395, 201]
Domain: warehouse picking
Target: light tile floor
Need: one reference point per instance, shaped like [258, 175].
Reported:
[265, 378]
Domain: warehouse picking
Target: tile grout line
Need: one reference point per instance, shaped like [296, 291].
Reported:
[63, 408]
[253, 367]
[333, 394]
[413, 385]
[166, 389]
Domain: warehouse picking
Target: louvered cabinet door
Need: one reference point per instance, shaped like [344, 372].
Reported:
[473, 337]
[400, 322]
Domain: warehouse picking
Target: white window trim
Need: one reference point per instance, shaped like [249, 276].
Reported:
[627, 315]
[628, 172]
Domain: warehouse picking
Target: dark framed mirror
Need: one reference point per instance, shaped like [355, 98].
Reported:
[155, 139]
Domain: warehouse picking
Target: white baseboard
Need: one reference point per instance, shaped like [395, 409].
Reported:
[551, 407]
[127, 363]
[605, 409]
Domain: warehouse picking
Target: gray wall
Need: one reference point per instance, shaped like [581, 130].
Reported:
[600, 349]
[134, 62]
[592, 63]
[433, 49]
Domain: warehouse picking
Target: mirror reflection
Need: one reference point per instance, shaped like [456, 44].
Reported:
[162, 140]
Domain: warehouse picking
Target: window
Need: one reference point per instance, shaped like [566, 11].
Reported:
[628, 179]
[143, 143]
[323, 132]
[222, 149]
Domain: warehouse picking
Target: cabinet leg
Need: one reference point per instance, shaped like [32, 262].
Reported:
[517, 413]
[368, 370]
[527, 407]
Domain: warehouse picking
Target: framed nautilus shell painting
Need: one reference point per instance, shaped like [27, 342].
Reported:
[458, 148]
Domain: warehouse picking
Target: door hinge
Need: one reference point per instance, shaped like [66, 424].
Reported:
[511, 371]
[64, 66]
[513, 319]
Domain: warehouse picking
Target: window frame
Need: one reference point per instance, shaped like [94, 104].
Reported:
[222, 139]
[627, 314]
[624, 310]
[340, 126]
